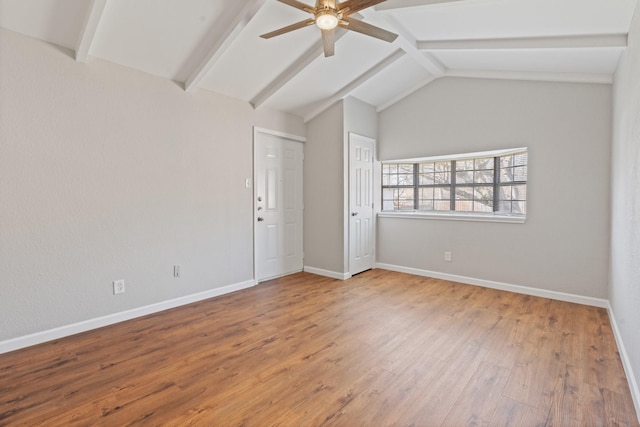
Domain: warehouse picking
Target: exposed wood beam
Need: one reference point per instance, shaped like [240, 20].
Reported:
[297, 67]
[597, 78]
[401, 4]
[89, 29]
[224, 38]
[353, 85]
[551, 42]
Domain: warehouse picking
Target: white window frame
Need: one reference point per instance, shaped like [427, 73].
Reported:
[452, 214]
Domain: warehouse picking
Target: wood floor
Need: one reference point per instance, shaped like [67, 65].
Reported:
[380, 349]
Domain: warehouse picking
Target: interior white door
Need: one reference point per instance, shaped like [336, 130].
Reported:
[278, 206]
[361, 225]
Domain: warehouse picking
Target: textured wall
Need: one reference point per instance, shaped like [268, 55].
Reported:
[107, 173]
[624, 288]
[564, 244]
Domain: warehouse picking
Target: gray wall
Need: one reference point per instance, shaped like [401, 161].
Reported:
[107, 173]
[624, 288]
[326, 174]
[324, 191]
[564, 244]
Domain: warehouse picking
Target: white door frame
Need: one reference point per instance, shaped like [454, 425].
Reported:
[256, 131]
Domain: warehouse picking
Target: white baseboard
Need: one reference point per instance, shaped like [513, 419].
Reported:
[626, 362]
[561, 296]
[327, 273]
[87, 325]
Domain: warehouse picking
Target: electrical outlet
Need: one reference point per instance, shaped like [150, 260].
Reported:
[177, 270]
[118, 287]
[447, 256]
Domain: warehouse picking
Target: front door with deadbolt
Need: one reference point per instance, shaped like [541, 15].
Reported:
[278, 205]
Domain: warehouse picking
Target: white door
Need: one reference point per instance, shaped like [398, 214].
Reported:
[278, 205]
[361, 232]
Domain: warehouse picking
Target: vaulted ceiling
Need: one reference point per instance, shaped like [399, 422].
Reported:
[215, 45]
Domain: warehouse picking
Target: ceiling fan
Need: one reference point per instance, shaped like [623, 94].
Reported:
[329, 14]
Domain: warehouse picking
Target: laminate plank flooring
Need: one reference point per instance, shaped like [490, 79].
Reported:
[380, 349]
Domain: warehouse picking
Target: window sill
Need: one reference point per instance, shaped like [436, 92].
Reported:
[453, 217]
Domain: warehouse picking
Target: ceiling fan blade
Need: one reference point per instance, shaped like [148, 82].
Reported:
[353, 6]
[367, 29]
[298, 5]
[329, 42]
[289, 28]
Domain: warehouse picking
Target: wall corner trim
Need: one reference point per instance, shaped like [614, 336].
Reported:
[327, 273]
[626, 362]
[110, 319]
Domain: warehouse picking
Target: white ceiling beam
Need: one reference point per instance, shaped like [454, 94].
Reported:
[407, 43]
[596, 78]
[353, 85]
[315, 52]
[89, 29]
[222, 41]
[402, 4]
[551, 42]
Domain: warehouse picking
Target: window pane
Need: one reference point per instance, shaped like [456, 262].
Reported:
[519, 192]
[484, 193]
[519, 208]
[442, 205]
[506, 161]
[464, 205]
[464, 165]
[486, 163]
[442, 193]
[505, 192]
[464, 177]
[426, 179]
[405, 168]
[483, 206]
[520, 159]
[506, 175]
[426, 205]
[482, 177]
[405, 198]
[426, 193]
[427, 167]
[520, 173]
[504, 207]
[405, 179]
[442, 178]
[474, 185]
[442, 166]
[464, 193]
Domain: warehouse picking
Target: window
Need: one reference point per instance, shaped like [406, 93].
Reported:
[491, 183]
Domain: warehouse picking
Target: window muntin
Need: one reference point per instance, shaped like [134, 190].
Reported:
[489, 184]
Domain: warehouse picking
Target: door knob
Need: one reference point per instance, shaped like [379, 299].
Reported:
[260, 219]
[354, 213]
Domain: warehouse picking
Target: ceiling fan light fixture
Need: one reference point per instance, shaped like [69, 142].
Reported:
[327, 19]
